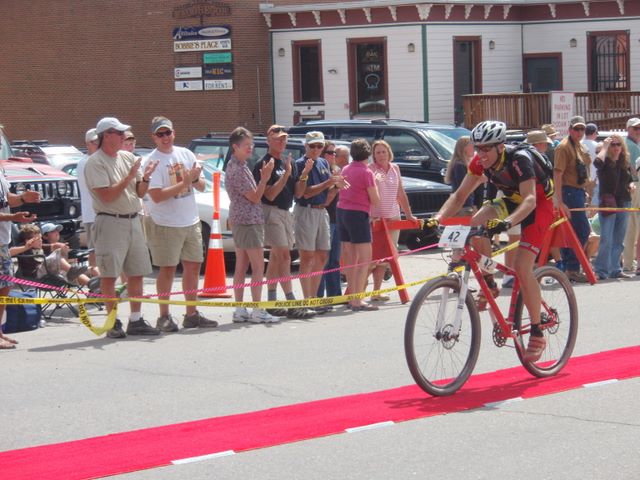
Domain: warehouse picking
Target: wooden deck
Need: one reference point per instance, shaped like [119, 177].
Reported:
[527, 111]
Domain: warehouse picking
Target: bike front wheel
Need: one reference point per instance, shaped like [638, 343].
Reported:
[558, 321]
[441, 352]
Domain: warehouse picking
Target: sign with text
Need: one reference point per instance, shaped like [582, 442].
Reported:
[222, 57]
[191, 33]
[221, 72]
[201, 45]
[188, 85]
[187, 72]
[561, 111]
[218, 84]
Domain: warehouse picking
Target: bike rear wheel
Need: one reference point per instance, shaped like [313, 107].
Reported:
[559, 322]
[441, 359]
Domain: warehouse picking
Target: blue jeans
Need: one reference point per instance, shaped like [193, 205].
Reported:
[331, 281]
[612, 230]
[575, 198]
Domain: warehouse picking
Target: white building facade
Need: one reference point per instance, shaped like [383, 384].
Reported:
[414, 61]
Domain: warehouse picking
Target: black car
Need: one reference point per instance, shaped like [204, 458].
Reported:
[425, 196]
[421, 150]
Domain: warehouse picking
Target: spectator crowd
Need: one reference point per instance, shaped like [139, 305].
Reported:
[323, 203]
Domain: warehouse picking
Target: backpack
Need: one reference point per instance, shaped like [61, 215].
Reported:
[542, 160]
[22, 317]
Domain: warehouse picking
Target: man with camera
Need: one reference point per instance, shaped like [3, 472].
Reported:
[571, 175]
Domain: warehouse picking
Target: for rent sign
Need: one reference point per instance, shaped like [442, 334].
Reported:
[561, 110]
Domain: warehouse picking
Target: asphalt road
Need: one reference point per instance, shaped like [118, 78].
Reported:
[63, 384]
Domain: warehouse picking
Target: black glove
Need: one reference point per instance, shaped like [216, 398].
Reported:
[495, 226]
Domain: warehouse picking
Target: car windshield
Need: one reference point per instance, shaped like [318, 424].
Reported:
[444, 140]
[5, 149]
[208, 168]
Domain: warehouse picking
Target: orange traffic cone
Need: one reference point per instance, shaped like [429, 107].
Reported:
[215, 276]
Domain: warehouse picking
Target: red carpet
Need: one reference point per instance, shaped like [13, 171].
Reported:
[155, 447]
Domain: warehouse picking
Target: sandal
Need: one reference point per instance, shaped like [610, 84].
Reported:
[535, 347]
[4, 345]
[380, 298]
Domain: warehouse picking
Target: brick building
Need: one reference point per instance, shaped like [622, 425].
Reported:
[67, 63]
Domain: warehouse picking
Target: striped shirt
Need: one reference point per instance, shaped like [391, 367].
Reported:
[388, 185]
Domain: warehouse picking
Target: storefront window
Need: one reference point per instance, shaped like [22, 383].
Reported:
[368, 77]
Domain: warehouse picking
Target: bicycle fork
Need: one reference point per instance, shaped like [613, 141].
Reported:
[451, 331]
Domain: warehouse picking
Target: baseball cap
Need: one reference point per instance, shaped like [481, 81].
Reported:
[537, 136]
[277, 131]
[633, 122]
[577, 121]
[591, 129]
[314, 137]
[111, 122]
[90, 136]
[161, 123]
[50, 227]
[549, 129]
[129, 134]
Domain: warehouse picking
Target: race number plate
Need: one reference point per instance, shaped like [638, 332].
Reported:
[454, 236]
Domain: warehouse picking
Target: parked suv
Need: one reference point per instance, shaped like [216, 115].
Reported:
[60, 197]
[425, 197]
[421, 150]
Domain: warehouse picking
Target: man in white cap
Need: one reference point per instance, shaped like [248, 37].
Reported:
[173, 227]
[631, 239]
[86, 201]
[117, 184]
[311, 219]
[571, 177]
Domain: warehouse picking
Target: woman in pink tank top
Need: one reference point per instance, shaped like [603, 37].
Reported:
[392, 199]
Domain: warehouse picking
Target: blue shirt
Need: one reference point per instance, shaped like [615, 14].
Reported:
[321, 172]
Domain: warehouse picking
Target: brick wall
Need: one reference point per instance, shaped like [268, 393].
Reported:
[65, 64]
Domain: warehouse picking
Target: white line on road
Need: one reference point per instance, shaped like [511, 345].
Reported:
[182, 461]
[369, 427]
[503, 402]
[603, 382]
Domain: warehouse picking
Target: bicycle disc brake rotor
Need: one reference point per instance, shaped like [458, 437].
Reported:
[447, 337]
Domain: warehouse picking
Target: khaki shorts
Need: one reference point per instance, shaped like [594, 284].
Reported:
[88, 229]
[120, 247]
[170, 245]
[278, 227]
[248, 236]
[311, 226]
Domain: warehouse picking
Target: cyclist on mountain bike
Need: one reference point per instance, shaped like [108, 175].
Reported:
[528, 190]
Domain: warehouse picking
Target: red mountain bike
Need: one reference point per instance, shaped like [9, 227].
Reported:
[442, 331]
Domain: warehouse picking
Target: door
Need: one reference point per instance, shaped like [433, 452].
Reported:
[542, 72]
[467, 72]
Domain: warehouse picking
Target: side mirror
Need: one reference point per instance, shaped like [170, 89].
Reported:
[417, 156]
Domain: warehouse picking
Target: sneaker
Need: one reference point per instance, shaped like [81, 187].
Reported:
[141, 327]
[277, 312]
[481, 300]
[576, 276]
[301, 313]
[507, 281]
[116, 331]
[259, 315]
[241, 315]
[196, 320]
[535, 348]
[166, 323]
[622, 275]
[323, 309]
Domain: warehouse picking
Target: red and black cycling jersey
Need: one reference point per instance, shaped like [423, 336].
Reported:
[512, 168]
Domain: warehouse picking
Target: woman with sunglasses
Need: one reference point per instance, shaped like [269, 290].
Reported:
[614, 175]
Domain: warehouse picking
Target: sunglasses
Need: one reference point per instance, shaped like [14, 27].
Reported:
[316, 145]
[330, 152]
[615, 144]
[114, 131]
[166, 133]
[277, 130]
[130, 139]
[578, 129]
[636, 128]
[485, 148]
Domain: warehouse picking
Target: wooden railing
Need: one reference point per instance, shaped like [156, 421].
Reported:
[527, 111]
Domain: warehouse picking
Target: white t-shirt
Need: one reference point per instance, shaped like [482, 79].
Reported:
[5, 227]
[591, 146]
[86, 201]
[181, 210]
